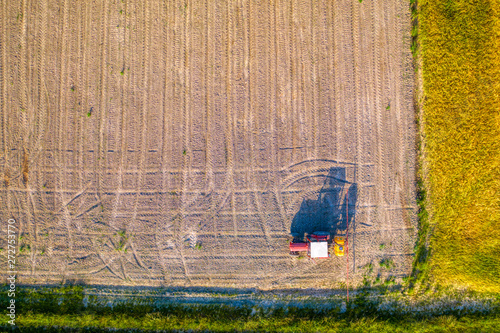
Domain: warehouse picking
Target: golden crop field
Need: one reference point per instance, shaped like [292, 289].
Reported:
[460, 43]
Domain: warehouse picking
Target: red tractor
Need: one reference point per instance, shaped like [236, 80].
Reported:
[316, 245]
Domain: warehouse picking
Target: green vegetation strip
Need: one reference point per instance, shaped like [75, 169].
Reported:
[155, 321]
[459, 44]
[49, 309]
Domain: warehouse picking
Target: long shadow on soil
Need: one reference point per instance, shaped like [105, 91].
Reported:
[329, 211]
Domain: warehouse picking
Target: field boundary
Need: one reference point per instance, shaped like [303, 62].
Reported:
[420, 268]
[74, 307]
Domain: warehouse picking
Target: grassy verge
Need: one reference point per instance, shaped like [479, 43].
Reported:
[459, 43]
[69, 308]
[155, 321]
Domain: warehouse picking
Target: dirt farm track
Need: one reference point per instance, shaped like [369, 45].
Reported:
[180, 143]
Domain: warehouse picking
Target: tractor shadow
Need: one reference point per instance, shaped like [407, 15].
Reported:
[329, 211]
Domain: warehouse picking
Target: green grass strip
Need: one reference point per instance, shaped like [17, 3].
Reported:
[155, 321]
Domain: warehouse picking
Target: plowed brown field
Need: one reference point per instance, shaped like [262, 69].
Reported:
[180, 143]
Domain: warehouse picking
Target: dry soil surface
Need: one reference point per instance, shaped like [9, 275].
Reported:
[179, 143]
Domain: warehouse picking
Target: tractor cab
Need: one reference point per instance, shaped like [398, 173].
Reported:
[318, 245]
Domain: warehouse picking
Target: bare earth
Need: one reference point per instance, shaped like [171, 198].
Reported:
[180, 145]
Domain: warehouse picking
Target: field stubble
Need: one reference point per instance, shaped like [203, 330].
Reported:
[173, 144]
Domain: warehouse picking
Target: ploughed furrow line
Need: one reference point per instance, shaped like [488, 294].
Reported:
[396, 155]
[296, 61]
[212, 73]
[244, 235]
[32, 153]
[77, 83]
[5, 176]
[314, 76]
[167, 22]
[254, 93]
[390, 119]
[405, 187]
[64, 126]
[102, 99]
[380, 148]
[341, 76]
[124, 108]
[194, 194]
[355, 146]
[154, 139]
[143, 107]
[22, 87]
[26, 113]
[239, 85]
[371, 75]
[307, 116]
[276, 105]
[354, 86]
[10, 133]
[36, 97]
[198, 171]
[321, 82]
[45, 105]
[13, 117]
[379, 110]
[181, 58]
[51, 46]
[284, 82]
[230, 128]
[60, 49]
[84, 88]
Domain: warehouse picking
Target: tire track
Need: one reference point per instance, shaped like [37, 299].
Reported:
[337, 71]
[59, 157]
[276, 106]
[253, 97]
[358, 112]
[7, 136]
[397, 154]
[315, 79]
[186, 170]
[156, 67]
[81, 51]
[103, 109]
[22, 88]
[230, 123]
[38, 127]
[404, 122]
[167, 123]
[24, 137]
[306, 114]
[86, 57]
[208, 81]
[331, 102]
[380, 142]
[123, 126]
[293, 88]
[43, 94]
[32, 144]
[59, 122]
